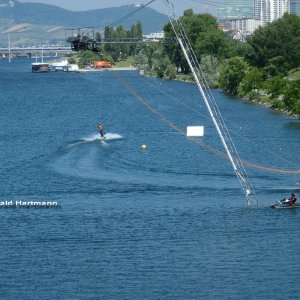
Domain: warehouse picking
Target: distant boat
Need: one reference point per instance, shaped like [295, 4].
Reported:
[61, 66]
[40, 67]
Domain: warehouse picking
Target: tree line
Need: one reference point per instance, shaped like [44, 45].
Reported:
[262, 73]
[112, 52]
[258, 69]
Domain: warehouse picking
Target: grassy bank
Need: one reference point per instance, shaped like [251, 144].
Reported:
[125, 63]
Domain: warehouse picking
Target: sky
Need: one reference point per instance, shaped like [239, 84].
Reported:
[180, 5]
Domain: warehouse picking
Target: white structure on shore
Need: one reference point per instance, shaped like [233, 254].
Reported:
[155, 36]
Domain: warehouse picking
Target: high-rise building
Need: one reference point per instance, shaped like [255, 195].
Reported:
[295, 7]
[270, 10]
[257, 9]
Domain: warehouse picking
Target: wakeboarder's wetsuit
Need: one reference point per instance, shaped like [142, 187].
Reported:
[101, 129]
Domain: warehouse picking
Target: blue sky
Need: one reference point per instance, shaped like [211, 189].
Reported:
[180, 5]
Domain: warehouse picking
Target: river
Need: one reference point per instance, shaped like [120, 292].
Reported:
[166, 222]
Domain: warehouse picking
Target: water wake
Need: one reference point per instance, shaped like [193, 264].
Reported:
[96, 137]
[108, 137]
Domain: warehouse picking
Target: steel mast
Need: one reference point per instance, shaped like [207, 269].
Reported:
[211, 104]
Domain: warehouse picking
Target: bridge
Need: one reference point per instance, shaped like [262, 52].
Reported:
[36, 49]
[79, 43]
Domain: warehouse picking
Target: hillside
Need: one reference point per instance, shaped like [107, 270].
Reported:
[40, 16]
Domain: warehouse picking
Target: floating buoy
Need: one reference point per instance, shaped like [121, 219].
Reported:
[144, 146]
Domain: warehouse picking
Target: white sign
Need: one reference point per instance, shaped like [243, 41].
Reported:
[195, 131]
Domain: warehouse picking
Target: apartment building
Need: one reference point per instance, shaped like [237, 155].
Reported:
[270, 10]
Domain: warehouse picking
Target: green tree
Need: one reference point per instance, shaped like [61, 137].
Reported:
[119, 51]
[148, 50]
[72, 60]
[232, 73]
[141, 61]
[252, 81]
[135, 32]
[276, 44]
[204, 36]
[139, 30]
[86, 58]
[98, 37]
[275, 87]
[291, 96]
[158, 62]
[162, 65]
[170, 72]
[213, 43]
[108, 34]
[210, 69]
[173, 51]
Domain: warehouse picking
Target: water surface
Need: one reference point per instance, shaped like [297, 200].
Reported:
[168, 222]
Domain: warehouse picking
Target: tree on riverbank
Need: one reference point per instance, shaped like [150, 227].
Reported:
[232, 74]
[269, 54]
[204, 35]
[112, 52]
[292, 96]
[211, 46]
[276, 45]
[120, 51]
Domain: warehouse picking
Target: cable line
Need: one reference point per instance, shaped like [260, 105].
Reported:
[197, 141]
[207, 118]
[211, 104]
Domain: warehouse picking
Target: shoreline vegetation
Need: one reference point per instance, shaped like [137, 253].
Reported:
[264, 69]
[265, 102]
[128, 65]
[268, 103]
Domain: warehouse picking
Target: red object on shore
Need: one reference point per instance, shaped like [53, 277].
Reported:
[102, 64]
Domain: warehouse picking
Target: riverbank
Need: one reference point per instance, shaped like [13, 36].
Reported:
[110, 69]
[265, 102]
[270, 104]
